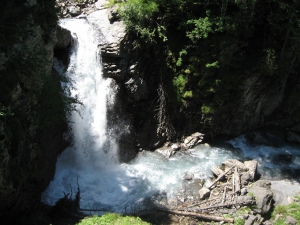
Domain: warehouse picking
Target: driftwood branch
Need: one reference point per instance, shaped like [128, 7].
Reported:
[227, 204]
[224, 194]
[237, 180]
[200, 203]
[220, 177]
[95, 210]
[198, 215]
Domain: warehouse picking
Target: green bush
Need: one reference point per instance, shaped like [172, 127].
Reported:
[112, 218]
[137, 16]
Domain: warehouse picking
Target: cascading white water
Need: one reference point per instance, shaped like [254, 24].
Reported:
[92, 159]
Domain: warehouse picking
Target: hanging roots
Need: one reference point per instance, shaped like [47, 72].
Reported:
[164, 126]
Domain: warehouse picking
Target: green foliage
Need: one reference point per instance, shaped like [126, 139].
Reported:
[212, 65]
[188, 94]
[239, 221]
[203, 26]
[213, 46]
[179, 60]
[111, 3]
[206, 109]
[292, 210]
[137, 16]
[112, 218]
[180, 82]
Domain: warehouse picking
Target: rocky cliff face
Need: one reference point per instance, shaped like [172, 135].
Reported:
[29, 138]
[250, 98]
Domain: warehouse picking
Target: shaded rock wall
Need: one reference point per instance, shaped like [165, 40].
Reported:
[29, 139]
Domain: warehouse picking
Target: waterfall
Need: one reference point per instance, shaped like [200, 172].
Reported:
[92, 160]
[92, 149]
[91, 142]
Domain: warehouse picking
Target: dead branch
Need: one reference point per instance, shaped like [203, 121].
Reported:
[224, 194]
[208, 200]
[95, 210]
[198, 215]
[237, 180]
[220, 177]
[227, 204]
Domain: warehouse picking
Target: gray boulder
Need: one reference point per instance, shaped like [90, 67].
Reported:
[193, 140]
[74, 10]
[204, 193]
[252, 168]
[263, 196]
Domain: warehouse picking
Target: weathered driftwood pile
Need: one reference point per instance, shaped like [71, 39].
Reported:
[233, 188]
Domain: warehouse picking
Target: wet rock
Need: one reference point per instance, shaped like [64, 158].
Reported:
[188, 176]
[293, 137]
[175, 146]
[74, 10]
[166, 152]
[261, 139]
[193, 140]
[110, 50]
[204, 193]
[136, 89]
[63, 38]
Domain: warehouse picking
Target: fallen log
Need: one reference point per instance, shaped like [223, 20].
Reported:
[220, 177]
[237, 181]
[198, 215]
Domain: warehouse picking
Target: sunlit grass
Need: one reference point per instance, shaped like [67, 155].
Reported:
[283, 211]
[112, 218]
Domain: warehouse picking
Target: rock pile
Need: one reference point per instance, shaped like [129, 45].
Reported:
[235, 192]
[189, 142]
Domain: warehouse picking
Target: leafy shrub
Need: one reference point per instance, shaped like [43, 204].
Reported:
[112, 218]
[137, 15]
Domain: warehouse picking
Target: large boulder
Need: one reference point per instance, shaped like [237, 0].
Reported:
[252, 168]
[63, 38]
[193, 140]
[263, 195]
